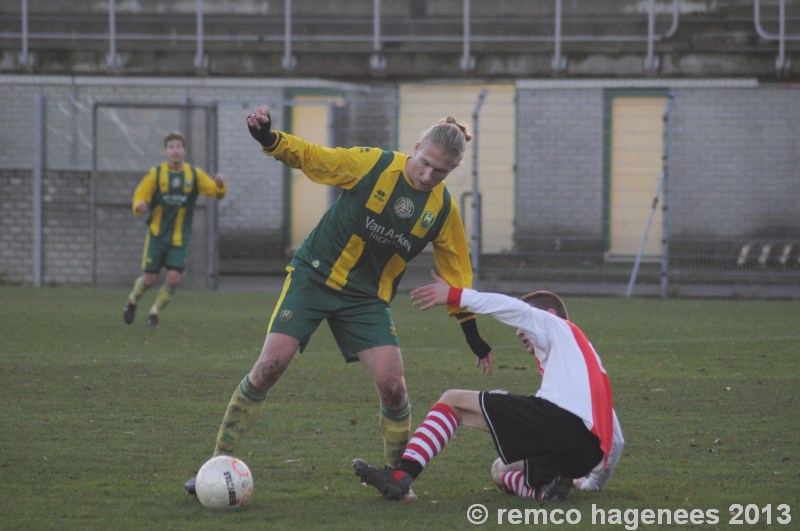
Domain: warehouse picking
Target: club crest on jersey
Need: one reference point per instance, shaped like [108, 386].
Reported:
[176, 182]
[404, 207]
[285, 315]
[426, 219]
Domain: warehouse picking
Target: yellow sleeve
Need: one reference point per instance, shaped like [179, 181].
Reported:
[451, 256]
[208, 186]
[146, 189]
[341, 167]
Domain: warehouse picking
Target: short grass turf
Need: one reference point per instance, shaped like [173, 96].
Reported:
[102, 422]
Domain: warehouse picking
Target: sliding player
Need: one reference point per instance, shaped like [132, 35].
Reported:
[546, 440]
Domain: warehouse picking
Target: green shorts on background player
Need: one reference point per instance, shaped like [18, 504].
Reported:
[168, 193]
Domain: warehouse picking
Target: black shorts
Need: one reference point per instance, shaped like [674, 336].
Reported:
[550, 440]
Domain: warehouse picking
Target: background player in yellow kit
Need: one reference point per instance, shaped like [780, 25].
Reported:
[169, 192]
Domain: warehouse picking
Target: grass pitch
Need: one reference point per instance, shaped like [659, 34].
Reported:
[103, 422]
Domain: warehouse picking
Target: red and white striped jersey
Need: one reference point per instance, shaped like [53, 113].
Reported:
[573, 377]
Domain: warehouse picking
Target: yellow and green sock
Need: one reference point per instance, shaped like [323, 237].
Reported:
[243, 410]
[138, 290]
[396, 429]
[162, 299]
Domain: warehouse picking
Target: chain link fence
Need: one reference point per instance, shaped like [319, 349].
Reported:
[127, 140]
[648, 191]
[668, 190]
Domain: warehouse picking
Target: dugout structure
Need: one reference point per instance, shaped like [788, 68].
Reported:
[127, 139]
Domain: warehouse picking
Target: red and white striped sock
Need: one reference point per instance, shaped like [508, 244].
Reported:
[514, 483]
[432, 435]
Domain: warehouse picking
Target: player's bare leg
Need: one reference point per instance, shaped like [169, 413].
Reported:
[250, 396]
[384, 365]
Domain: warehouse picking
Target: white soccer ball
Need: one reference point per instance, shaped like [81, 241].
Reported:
[224, 482]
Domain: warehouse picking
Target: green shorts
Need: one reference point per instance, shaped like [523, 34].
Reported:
[159, 252]
[357, 323]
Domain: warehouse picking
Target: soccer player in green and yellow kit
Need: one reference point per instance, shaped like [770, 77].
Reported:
[347, 270]
[169, 191]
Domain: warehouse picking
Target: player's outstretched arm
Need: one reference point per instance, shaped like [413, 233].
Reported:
[439, 293]
[430, 295]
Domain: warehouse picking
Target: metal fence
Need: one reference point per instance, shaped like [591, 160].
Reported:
[374, 27]
[706, 206]
[66, 210]
[778, 21]
[127, 137]
[694, 195]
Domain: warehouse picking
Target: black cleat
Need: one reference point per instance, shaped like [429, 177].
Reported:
[190, 487]
[129, 313]
[382, 479]
[152, 320]
[556, 490]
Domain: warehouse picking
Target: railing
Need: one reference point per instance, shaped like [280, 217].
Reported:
[650, 62]
[373, 35]
[371, 32]
[781, 62]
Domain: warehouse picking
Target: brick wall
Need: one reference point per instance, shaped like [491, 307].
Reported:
[66, 228]
[16, 221]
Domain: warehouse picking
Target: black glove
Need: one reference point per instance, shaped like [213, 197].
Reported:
[476, 343]
[264, 136]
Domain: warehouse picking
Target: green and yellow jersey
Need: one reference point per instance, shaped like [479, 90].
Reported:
[378, 224]
[171, 197]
